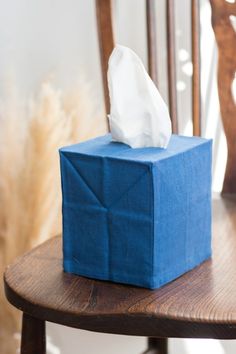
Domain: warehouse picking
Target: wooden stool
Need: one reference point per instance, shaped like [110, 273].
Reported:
[199, 304]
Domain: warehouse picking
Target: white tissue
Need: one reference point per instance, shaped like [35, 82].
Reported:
[139, 116]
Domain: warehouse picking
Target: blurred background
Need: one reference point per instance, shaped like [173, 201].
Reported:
[51, 95]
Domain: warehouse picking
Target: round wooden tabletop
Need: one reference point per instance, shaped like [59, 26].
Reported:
[201, 303]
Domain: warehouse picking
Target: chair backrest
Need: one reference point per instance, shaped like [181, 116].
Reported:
[226, 40]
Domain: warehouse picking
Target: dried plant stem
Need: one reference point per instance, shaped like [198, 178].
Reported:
[30, 197]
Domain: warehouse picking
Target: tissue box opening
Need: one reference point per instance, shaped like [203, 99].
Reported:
[136, 216]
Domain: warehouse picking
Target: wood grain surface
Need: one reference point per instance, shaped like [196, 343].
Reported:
[222, 13]
[171, 63]
[157, 346]
[201, 303]
[196, 79]
[106, 42]
[33, 340]
[151, 39]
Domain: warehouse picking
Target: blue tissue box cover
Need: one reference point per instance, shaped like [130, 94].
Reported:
[136, 216]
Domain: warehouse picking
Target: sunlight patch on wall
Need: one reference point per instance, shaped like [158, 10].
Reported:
[203, 346]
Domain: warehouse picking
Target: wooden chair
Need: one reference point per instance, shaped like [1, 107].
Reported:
[201, 303]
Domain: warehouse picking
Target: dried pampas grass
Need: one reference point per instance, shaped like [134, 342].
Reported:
[30, 197]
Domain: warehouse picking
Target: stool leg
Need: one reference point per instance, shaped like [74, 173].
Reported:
[32, 335]
[157, 346]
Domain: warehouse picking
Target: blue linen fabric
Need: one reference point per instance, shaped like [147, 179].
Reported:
[136, 216]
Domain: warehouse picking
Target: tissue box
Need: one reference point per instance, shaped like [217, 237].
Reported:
[136, 216]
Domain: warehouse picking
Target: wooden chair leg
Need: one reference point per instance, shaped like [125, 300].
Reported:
[33, 335]
[157, 346]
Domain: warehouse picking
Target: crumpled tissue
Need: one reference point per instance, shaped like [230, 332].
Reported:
[138, 116]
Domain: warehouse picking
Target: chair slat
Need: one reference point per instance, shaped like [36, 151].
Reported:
[106, 41]
[196, 78]
[170, 23]
[222, 13]
[151, 40]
